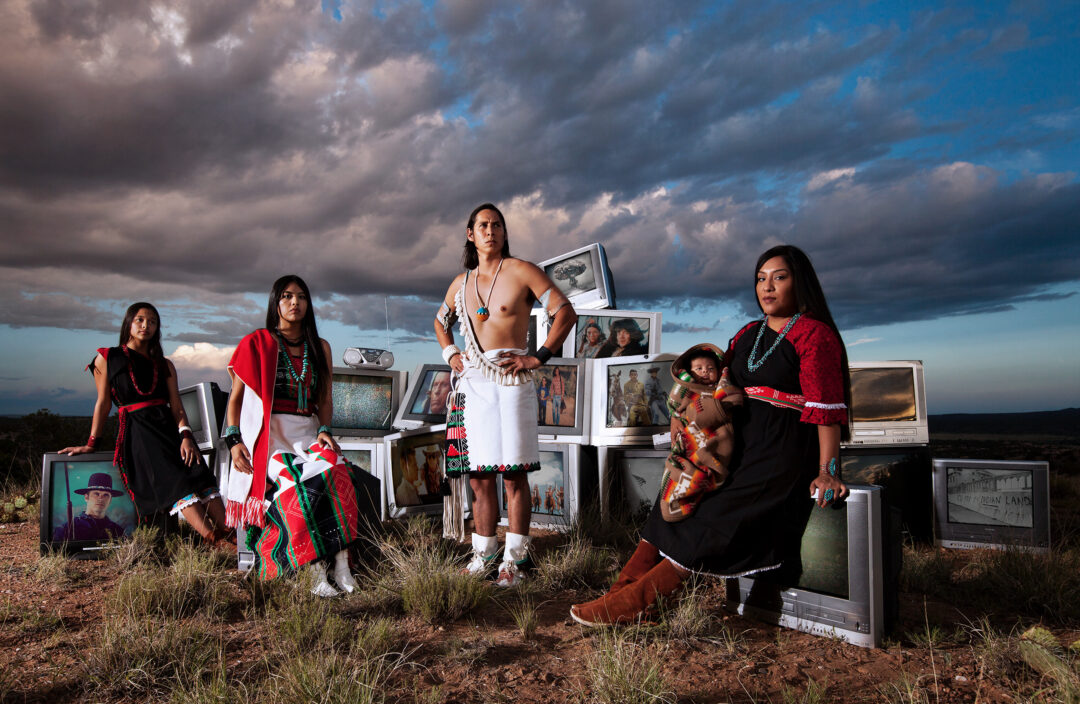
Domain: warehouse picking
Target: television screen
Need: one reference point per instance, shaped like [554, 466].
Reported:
[639, 473]
[83, 503]
[426, 399]
[629, 399]
[888, 403]
[416, 470]
[190, 399]
[199, 401]
[562, 403]
[556, 490]
[992, 503]
[622, 333]
[583, 276]
[843, 575]
[364, 401]
[369, 456]
[906, 474]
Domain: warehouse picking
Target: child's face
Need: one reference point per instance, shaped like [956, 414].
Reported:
[704, 370]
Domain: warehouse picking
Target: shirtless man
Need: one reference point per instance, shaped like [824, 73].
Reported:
[492, 424]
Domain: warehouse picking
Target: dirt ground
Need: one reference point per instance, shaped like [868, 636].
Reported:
[483, 657]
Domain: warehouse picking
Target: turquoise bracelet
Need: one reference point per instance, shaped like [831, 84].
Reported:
[324, 429]
[232, 430]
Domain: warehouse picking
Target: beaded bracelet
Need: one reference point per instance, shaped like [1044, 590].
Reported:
[449, 351]
[91, 441]
[182, 428]
[830, 468]
[325, 429]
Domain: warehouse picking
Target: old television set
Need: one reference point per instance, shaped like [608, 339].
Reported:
[84, 505]
[426, 398]
[888, 403]
[414, 470]
[906, 474]
[370, 456]
[559, 490]
[634, 475]
[583, 275]
[848, 576]
[624, 413]
[570, 421]
[596, 334]
[204, 405]
[365, 401]
[992, 504]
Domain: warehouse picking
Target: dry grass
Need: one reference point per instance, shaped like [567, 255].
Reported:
[576, 564]
[623, 669]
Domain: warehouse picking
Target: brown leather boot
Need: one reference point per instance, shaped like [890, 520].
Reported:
[645, 557]
[630, 603]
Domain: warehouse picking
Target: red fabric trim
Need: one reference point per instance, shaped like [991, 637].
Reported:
[255, 363]
[820, 375]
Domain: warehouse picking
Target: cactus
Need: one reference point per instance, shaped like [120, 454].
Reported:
[1040, 650]
[20, 502]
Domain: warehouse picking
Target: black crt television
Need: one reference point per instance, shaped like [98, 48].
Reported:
[204, 406]
[426, 399]
[992, 504]
[849, 575]
[559, 490]
[365, 401]
[570, 421]
[583, 275]
[415, 467]
[888, 403]
[906, 474]
[370, 456]
[625, 413]
[89, 489]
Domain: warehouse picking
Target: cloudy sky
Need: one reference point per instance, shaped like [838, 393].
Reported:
[190, 152]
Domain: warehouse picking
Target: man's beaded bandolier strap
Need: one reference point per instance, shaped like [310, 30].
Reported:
[780, 399]
[478, 359]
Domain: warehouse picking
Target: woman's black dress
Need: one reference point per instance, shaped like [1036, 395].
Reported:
[748, 524]
[149, 455]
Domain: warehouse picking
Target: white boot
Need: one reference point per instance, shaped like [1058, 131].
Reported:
[516, 554]
[322, 587]
[485, 548]
[342, 576]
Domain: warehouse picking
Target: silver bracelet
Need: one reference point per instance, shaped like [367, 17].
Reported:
[449, 351]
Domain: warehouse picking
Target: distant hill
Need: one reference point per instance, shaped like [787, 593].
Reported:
[1065, 422]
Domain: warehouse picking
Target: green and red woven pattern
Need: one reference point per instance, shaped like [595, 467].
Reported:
[457, 446]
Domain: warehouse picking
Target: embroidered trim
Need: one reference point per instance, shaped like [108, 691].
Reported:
[503, 468]
[181, 504]
[717, 574]
[826, 406]
[780, 399]
[457, 446]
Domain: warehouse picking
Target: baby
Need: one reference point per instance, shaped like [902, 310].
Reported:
[702, 437]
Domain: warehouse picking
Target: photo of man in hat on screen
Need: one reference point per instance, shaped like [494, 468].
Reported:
[92, 523]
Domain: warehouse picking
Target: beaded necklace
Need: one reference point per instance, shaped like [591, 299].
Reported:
[750, 363]
[303, 379]
[131, 374]
[482, 312]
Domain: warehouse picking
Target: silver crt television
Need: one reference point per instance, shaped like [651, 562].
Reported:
[992, 504]
[559, 490]
[843, 588]
[621, 413]
[888, 403]
[200, 403]
[583, 275]
[365, 401]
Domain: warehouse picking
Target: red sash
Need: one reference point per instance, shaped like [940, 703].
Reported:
[780, 399]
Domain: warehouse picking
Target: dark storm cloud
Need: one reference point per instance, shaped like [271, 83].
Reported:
[198, 151]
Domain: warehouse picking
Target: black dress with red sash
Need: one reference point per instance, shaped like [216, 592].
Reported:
[752, 522]
[148, 443]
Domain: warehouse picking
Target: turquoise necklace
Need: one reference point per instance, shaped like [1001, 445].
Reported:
[750, 363]
[302, 379]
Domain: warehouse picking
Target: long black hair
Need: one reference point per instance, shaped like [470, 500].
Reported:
[469, 258]
[810, 300]
[309, 331]
[154, 350]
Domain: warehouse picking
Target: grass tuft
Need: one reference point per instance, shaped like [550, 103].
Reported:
[622, 670]
[143, 547]
[193, 584]
[523, 611]
[429, 581]
[577, 563]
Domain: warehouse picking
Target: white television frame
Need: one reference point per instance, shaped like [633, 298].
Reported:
[205, 411]
[601, 434]
[405, 419]
[399, 380]
[392, 454]
[378, 463]
[891, 432]
[579, 432]
[655, 318]
[572, 486]
[602, 294]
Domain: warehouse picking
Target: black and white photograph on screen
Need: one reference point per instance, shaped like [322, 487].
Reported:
[990, 496]
[434, 393]
[601, 336]
[419, 473]
[556, 394]
[637, 394]
[573, 275]
[546, 486]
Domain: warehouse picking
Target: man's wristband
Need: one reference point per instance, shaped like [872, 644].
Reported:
[543, 354]
[233, 440]
[449, 351]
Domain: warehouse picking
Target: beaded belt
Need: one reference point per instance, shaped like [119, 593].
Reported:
[118, 453]
[780, 399]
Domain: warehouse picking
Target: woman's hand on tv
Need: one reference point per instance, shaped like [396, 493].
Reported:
[327, 440]
[78, 450]
[188, 452]
[828, 489]
[241, 458]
